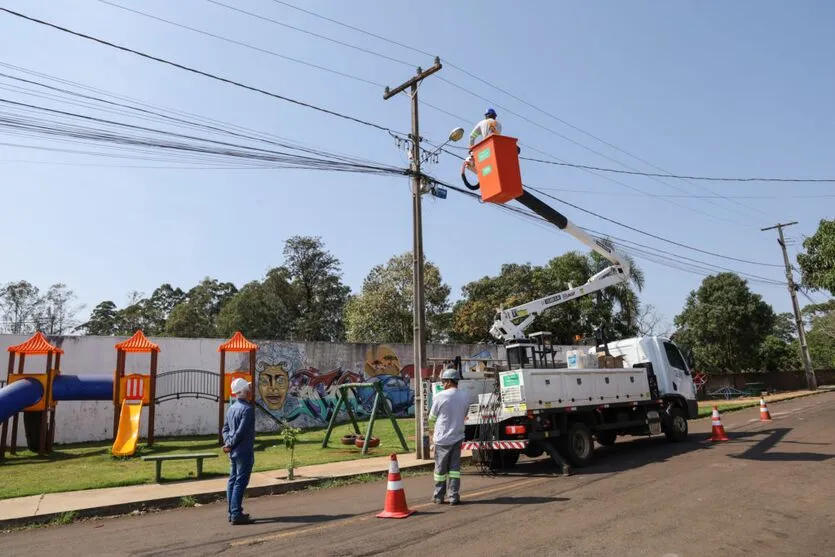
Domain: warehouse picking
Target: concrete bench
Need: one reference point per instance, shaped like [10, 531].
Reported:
[159, 459]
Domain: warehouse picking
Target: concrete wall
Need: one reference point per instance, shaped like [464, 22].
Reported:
[295, 382]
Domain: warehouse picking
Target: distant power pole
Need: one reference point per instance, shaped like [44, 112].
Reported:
[418, 311]
[811, 382]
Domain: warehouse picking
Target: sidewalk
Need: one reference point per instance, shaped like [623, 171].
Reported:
[119, 500]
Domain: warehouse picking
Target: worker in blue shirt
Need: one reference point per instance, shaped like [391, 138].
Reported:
[239, 444]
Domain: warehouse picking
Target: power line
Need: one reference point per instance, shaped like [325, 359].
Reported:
[651, 235]
[566, 138]
[244, 44]
[681, 177]
[196, 71]
[699, 267]
[621, 194]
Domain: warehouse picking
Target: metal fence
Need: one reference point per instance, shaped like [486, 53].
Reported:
[187, 383]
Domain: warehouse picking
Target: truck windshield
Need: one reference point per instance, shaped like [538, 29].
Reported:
[674, 357]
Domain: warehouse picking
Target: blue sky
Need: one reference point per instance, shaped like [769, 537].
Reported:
[708, 88]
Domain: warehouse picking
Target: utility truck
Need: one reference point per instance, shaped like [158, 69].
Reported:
[541, 405]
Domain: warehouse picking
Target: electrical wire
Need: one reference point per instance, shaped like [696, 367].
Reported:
[196, 71]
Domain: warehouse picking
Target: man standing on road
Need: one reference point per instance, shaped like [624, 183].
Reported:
[239, 444]
[449, 408]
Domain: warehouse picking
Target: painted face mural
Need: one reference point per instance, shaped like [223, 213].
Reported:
[381, 360]
[273, 384]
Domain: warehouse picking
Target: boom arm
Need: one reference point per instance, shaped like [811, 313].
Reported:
[504, 327]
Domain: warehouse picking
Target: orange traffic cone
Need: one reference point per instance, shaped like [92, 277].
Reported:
[765, 416]
[395, 495]
[718, 429]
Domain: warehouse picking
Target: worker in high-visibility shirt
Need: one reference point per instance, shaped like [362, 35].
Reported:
[449, 409]
[486, 127]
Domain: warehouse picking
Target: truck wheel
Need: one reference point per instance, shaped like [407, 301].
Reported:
[675, 427]
[578, 445]
[607, 437]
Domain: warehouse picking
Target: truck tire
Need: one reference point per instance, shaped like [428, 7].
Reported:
[675, 427]
[606, 437]
[577, 446]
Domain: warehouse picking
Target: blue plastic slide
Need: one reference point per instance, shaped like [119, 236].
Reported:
[19, 395]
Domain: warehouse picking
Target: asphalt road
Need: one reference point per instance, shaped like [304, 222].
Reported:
[770, 491]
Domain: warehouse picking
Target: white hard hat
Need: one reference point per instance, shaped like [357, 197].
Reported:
[450, 373]
[240, 385]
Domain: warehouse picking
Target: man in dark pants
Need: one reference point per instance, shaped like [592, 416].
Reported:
[239, 444]
[449, 408]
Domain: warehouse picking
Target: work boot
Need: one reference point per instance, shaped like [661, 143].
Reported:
[438, 500]
[242, 519]
[245, 515]
[455, 501]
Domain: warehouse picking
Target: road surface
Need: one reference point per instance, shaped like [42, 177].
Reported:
[768, 491]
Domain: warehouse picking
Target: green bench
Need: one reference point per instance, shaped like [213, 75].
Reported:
[159, 459]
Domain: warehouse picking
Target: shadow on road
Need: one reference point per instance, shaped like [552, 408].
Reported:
[760, 451]
[516, 501]
[304, 519]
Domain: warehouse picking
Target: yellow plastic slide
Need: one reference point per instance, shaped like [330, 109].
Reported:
[125, 444]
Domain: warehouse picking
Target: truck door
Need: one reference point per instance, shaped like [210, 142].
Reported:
[681, 379]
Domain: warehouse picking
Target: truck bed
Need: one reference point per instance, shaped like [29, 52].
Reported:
[524, 390]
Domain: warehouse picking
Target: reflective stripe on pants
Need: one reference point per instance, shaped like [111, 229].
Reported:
[447, 465]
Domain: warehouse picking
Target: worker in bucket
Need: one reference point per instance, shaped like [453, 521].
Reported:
[239, 444]
[483, 130]
[449, 408]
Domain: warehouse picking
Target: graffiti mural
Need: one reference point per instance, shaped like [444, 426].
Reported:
[292, 390]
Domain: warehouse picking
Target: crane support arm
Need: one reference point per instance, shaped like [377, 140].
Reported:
[505, 326]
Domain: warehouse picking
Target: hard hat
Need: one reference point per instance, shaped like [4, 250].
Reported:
[490, 113]
[450, 373]
[239, 386]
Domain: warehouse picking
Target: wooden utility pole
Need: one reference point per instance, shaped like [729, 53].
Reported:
[811, 382]
[418, 310]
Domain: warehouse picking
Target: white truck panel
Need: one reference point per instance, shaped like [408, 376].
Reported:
[541, 389]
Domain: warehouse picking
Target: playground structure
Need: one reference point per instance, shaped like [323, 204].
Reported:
[37, 394]
[238, 343]
[131, 393]
[379, 407]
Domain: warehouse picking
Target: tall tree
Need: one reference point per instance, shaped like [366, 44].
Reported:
[817, 264]
[103, 320]
[197, 315]
[382, 312]
[316, 275]
[262, 310]
[21, 307]
[821, 335]
[725, 324]
[57, 312]
[521, 283]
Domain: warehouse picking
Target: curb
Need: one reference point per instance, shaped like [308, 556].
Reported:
[755, 404]
[167, 503]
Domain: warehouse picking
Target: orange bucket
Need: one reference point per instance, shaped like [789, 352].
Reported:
[497, 165]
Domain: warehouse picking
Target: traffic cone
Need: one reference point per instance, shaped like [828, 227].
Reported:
[765, 416]
[395, 495]
[718, 429]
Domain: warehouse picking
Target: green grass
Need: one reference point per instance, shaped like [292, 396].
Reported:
[705, 411]
[90, 465]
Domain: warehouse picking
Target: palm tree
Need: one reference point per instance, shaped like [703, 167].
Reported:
[623, 296]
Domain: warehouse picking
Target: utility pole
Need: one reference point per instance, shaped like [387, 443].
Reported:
[811, 382]
[418, 311]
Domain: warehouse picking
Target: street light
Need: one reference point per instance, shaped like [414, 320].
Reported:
[454, 136]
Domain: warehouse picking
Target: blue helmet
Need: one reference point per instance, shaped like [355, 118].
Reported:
[490, 113]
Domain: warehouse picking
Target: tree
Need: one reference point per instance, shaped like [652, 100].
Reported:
[315, 273]
[649, 321]
[196, 316]
[521, 283]
[103, 320]
[724, 324]
[382, 312]
[56, 311]
[821, 335]
[262, 310]
[20, 307]
[817, 264]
